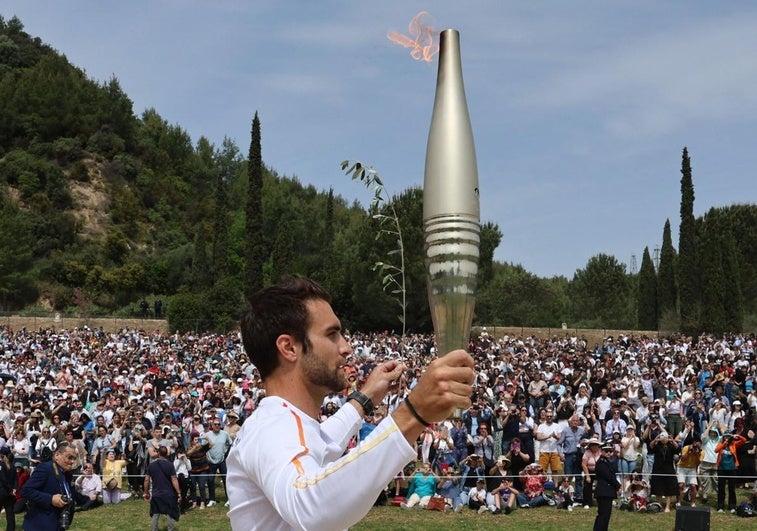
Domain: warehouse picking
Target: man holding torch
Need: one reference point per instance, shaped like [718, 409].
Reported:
[286, 470]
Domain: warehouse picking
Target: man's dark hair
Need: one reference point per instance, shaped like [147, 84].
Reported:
[276, 310]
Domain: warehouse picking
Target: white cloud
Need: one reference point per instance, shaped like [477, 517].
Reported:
[665, 81]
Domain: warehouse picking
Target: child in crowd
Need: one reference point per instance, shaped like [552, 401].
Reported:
[564, 494]
[639, 493]
[504, 495]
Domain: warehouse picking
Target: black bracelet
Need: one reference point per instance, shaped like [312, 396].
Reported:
[415, 413]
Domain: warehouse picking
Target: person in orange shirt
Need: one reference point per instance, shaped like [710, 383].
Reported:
[727, 464]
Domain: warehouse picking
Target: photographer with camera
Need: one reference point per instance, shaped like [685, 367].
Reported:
[50, 492]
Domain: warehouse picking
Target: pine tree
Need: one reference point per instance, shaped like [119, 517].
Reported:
[254, 246]
[667, 294]
[646, 297]
[688, 265]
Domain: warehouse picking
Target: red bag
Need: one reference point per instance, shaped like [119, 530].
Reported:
[397, 500]
[436, 503]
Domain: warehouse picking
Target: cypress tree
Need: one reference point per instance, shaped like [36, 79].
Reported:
[688, 265]
[713, 282]
[667, 294]
[254, 246]
[646, 297]
[221, 214]
[734, 297]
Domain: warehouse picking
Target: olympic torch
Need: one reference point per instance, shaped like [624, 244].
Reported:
[451, 219]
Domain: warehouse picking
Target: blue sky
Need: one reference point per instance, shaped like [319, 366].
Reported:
[580, 109]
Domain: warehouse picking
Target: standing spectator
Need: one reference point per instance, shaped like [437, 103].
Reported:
[21, 446]
[8, 482]
[630, 445]
[687, 470]
[570, 444]
[90, 486]
[112, 477]
[727, 464]
[664, 480]
[550, 452]
[50, 492]
[220, 444]
[483, 445]
[589, 464]
[709, 465]
[459, 434]
[100, 447]
[165, 497]
[606, 489]
[198, 456]
[421, 487]
[182, 465]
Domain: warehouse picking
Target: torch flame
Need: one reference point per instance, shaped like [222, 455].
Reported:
[422, 40]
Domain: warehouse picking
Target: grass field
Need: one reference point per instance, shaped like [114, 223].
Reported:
[133, 515]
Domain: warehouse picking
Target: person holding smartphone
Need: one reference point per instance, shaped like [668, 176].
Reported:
[198, 458]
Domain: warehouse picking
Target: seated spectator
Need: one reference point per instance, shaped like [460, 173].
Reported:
[477, 497]
[638, 493]
[421, 487]
[449, 487]
[505, 495]
[90, 486]
[565, 494]
[533, 479]
[22, 475]
[472, 467]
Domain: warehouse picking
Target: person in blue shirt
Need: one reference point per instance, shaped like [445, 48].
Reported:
[420, 488]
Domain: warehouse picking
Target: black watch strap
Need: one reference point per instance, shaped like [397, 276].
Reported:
[363, 400]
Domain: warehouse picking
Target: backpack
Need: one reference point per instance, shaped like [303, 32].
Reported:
[745, 510]
[46, 454]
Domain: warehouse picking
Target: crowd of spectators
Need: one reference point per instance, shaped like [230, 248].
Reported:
[541, 409]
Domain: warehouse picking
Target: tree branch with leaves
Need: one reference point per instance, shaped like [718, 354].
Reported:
[392, 275]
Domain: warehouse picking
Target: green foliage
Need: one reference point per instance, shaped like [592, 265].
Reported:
[255, 250]
[599, 294]
[187, 312]
[646, 298]
[688, 263]
[491, 237]
[515, 297]
[667, 292]
[391, 270]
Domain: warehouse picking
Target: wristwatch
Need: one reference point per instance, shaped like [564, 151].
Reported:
[363, 400]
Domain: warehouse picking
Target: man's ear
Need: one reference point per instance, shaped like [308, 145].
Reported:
[287, 347]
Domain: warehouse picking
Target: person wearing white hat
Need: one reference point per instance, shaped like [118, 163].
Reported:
[736, 416]
[664, 481]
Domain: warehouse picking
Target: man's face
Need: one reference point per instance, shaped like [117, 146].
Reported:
[65, 459]
[216, 426]
[322, 364]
